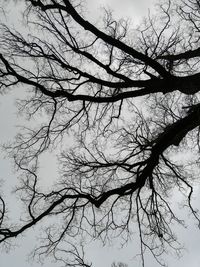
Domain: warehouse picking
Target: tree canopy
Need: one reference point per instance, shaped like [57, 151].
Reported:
[119, 107]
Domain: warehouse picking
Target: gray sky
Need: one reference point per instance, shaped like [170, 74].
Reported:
[99, 256]
[133, 9]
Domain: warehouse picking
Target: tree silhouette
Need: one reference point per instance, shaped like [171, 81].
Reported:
[120, 107]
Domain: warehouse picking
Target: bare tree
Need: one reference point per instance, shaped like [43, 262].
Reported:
[128, 101]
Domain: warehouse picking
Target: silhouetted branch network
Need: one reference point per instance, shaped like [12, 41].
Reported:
[118, 106]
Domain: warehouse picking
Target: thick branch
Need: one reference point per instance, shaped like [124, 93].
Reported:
[185, 55]
[108, 39]
[187, 85]
[172, 135]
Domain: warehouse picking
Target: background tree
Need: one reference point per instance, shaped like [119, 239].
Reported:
[120, 107]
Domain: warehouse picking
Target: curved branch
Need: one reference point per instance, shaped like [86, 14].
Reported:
[108, 39]
[172, 135]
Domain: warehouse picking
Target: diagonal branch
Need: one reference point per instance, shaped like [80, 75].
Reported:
[185, 55]
[172, 135]
[99, 34]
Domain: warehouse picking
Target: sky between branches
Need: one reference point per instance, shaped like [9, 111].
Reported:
[134, 9]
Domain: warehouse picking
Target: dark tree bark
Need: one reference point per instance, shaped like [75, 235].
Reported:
[128, 101]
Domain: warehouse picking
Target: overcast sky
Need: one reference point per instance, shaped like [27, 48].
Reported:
[133, 9]
[98, 255]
